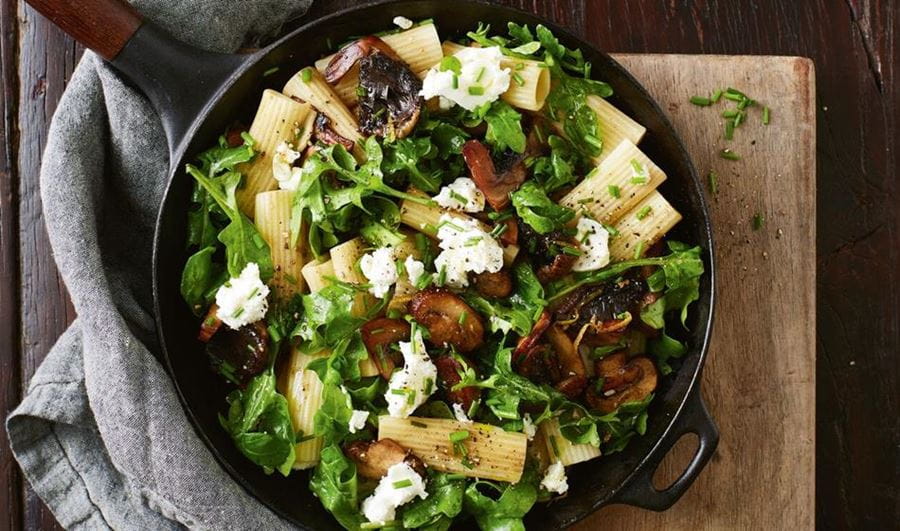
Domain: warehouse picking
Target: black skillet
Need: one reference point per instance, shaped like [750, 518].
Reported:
[198, 94]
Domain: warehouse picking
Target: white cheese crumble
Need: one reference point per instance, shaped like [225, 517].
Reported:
[466, 248]
[480, 78]
[283, 169]
[380, 269]
[460, 414]
[411, 386]
[461, 194]
[555, 479]
[382, 505]
[500, 325]
[357, 420]
[594, 241]
[414, 269]
[530, 430]
[403, 22]
[242, 299]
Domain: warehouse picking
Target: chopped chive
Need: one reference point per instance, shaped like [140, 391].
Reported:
[701, 101]
[765, 116]
[418, 424]
[499, 230]
[462, 318]
[735, 91]
[455, 81]
[411, 397]
[733, 97]
[644, 212]
[429, 385]
[594, 141]
[611, 230]
[571, 251]
[452, 477]
[729, 129]
[452, 64]
[306, 74]
[442, 276]
[237, 313]
[758, 221]
[480, 75]
[554, 446]
[518, 79]
[614, 191]
[398, 391]
[638, 180]
[717, 95]
[729, 113]
[519, 66]
[459, 436]
[360, 91]
[585, 200]
[458, 198]
[473, 241]
[638, 251]
[271, 71]
[746, 102]
[739, 119]
[713, 182]
[476, 90]
[402, 484]
[728, 154]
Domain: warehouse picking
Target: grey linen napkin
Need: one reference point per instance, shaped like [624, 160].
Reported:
[101, 435]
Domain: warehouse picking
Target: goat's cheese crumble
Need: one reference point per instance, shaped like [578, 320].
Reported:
[414, 269]
[283, 169]
[460, 414]
[357, 420]
[480, 78]
[382, 505]
[461, 194]
[242, 299]
[594, 242]
[555, 479]
[529, 429]
[466, 248]
[403, 22]
[380, 270]
[411, 386]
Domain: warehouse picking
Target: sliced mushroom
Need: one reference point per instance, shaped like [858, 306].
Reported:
[349, 55]
[624, 381]
[570, 362]
[210, 325]
[449, 320]
[600, 305]
[240, 354]
[496, 285]
[528, 342]
[448, 370]
[538, 363]
[328, 136]
[374, 458]
[546, 251]
[390, 103]
[511, 235]
[378, 335]
[496, 186]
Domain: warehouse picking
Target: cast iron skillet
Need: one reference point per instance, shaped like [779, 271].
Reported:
[198, 94]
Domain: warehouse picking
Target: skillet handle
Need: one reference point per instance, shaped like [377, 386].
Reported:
[695, 419]
[102, 25]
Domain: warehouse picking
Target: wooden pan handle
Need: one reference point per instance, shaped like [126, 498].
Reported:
[102, 25]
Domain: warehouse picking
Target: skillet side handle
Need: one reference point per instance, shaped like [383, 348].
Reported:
[104, 26]
[695, 419]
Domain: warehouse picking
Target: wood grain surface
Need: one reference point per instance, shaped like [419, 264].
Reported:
[854, 47]
[759, 379]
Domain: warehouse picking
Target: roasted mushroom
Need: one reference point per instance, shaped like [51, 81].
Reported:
[599, 306]
[240, 354]
[326, 135]
[448, 319]
[546, 251]
[495, 185]
[344, 60]
[390, 103]
[448, 370]
[374, 458]
[528, 342]
[538, 363]
[210, 325]
[496, 285]
[624, 380]
[511, 235]
[574, 374]
[378, 335]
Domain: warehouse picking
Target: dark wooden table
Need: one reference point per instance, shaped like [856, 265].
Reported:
[855, 47]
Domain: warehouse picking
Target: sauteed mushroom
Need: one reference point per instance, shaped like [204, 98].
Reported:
[210, 325]
[326, 135]
[374, 458]
[528, 342]
[354, 52]
[624, 381]
[599, 306]
[574, 374]
[378, 335]
[496, 186]
[496, 285]
[390, 103]
[240, 354]
[448, 369]
[449, 320]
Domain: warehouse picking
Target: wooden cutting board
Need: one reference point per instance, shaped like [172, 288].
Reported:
[759, 380]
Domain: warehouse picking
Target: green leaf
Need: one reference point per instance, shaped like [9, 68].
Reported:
[444, 502]
[652, 314]
[334, 482]
[539, 211]
[200, 275]
[665, 348]
[504, 128]
[557, 169]
[506, 512]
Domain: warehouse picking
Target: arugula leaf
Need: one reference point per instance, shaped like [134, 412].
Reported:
[504, 128]
[333, 416]
[327, 318]
[557, 169]
[335, 483]
[199, 278]
[535, 208]
[664, 348]
[444, 502]
[381, 226]
[506, 512]
[520, 310]
[409, 157]
[259, 422]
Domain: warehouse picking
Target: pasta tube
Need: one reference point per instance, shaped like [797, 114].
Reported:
[278, 119]
[304, 397]
[449, 446]
[614, 127]
[642, 226]
[273, 218]
[310, 86]
[530, 82]
[418, 47]
[563, 450]
[316, 274]
[622, 180]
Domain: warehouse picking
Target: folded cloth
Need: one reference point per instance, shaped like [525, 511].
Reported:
[101, 435]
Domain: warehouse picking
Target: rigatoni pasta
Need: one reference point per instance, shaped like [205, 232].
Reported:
[310, 86]
[642, 226]
[304, 396]
[273, 217]
[558, 448]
